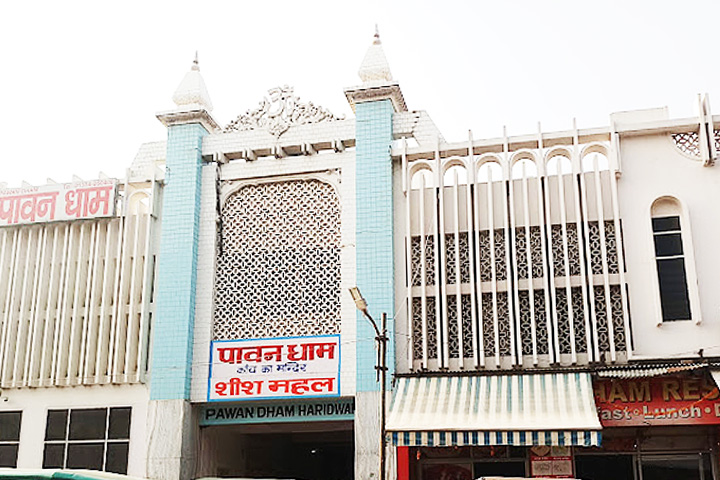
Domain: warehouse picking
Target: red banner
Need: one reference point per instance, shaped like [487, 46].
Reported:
[668, 400]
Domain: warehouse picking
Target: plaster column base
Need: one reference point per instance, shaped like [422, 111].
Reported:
[171, 440]
[367, 435]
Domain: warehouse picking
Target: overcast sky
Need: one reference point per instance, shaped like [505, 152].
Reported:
[81, 81]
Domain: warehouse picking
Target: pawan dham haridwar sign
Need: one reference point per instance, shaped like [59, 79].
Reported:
[57, 202]
[284, 367]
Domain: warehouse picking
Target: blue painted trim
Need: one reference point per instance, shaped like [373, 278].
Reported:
[173, 329]
[375, 250]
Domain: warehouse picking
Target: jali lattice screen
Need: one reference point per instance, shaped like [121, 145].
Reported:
[278, 269]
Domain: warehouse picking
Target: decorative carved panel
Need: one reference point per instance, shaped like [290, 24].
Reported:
[278, 268]
[280, 111]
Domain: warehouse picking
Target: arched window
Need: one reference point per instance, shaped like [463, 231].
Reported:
[422, 177]
[139, 203]
[595, 161]
[490, 171]
[670, 257]
[456, 171]
[559, 165]
[524, 168]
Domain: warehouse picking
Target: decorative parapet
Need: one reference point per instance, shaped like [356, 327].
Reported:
[689, 142]
[373, 93]
[279, 112]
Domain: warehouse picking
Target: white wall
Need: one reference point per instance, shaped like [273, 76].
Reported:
[653, 167]
[35, 402]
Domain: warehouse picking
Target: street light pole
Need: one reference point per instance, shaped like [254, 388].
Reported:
[382, 347]
[381, 340]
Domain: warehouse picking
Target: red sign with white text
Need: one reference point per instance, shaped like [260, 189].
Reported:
[667, 400]
[287, 367]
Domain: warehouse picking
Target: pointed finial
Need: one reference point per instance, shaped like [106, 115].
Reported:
[195, 65]
[192, 90]
[374, 67]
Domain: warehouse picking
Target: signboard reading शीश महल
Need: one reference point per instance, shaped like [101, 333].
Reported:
[287, 367]
[57, 202]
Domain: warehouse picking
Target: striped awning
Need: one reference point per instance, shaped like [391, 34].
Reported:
[543, 409]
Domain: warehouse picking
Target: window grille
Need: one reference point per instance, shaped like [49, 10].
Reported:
[672, 277]
[94, 439]
[9, 437]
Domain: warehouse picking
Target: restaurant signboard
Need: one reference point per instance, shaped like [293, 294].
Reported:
[665, 400]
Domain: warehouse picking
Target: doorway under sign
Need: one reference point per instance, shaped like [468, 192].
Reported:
[309, 451]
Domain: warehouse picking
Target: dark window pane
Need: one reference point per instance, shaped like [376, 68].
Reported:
[119, 423]
[665, 224]
[88, 424]
[706, 467]
[671, 468]
[673, 289]
[505, 469]
[8, 455]
[443, 471]
[668, 244]
[54, 455]
[517, 452]
[10, 426]
[602, 467]
[85, 455]
[56, 424]
[117, 457]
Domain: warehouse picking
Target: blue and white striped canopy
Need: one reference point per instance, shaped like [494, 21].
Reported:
[542, 409]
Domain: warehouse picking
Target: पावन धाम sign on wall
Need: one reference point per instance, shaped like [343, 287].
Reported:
[57, 202]
[285, 367]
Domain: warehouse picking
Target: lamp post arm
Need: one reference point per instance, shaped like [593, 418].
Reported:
[373, 323]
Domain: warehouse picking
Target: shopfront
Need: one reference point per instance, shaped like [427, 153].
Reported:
[654, 427]
[658, 424]
[664, 453]
[651, 453]
[462, 428]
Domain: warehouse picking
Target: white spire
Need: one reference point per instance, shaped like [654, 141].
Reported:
[192, 93]
[374, 67]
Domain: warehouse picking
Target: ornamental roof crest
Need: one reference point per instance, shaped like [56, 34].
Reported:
[280, 110]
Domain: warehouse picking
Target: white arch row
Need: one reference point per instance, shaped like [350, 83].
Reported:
[522, 163]
[568, 204]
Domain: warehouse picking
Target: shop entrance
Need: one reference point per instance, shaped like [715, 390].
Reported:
[301, 451]
[466, 463]
[645, 467]
[653, 453]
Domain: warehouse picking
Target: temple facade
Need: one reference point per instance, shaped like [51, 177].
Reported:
[550, 298]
